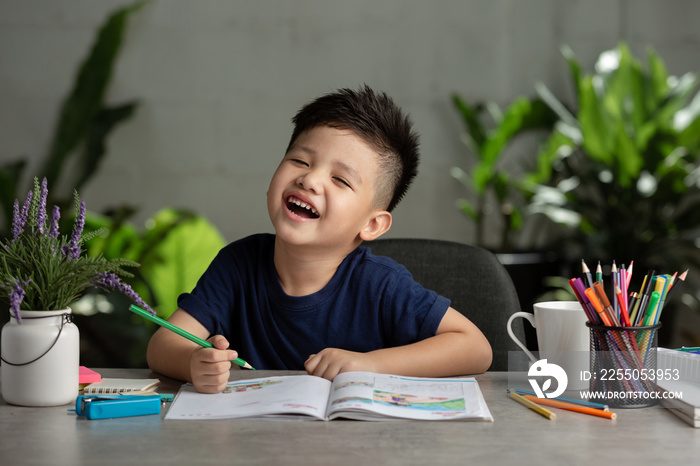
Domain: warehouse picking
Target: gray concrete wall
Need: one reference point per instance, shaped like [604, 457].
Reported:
[220, 79]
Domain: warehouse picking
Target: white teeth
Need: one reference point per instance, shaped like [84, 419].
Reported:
[303, 205]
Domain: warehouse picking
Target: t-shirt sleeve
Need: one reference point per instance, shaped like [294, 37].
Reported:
[211, 296]
[413, 312]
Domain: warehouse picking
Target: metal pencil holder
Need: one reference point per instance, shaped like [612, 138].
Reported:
[623, 365]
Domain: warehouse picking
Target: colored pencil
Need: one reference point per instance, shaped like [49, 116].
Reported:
[623, 287]
[182, 333]
[649, 315]
[624, 316]
[588, 404]
[533, 406]
[633, 305]
[606, 304]
[598, 307]
[659, 287]
[571, 407]
[615, 282]
[579, 290]
[586, 273]
[645, 295]
[676, 283]
[629, 274]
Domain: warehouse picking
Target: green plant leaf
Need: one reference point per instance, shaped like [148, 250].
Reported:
[467, 209]
[554, 149]
[520, 116]
[500, 187]
[597, 138]
[516, 220]
[574, 68]
[94, 150]
[557, 107]
[629, 159]
[462, 176]
[175, 263]
[624, 94]
[122, 239]
[678, 94]
[482, 174]
[657, 89]
[690, 137]
[472, 123]
[86, 98]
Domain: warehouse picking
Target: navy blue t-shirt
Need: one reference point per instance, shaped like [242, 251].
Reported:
[372, 302]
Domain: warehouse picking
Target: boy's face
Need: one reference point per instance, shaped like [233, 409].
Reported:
[323, 191]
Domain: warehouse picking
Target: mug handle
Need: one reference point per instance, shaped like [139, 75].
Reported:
[531, 319]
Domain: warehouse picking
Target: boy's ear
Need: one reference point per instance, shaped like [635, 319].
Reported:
[378, 224]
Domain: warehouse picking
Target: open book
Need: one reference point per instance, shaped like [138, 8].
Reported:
[352, 395]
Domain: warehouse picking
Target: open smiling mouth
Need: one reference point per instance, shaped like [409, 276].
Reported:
[300, 208]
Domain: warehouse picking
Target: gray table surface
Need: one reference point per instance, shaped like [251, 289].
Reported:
[517, 436]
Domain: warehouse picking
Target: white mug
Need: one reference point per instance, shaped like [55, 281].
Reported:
[562, 337]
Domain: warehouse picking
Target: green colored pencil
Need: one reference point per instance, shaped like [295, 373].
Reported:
[182, 333]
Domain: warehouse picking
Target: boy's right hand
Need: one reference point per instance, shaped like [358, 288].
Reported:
[209, 367]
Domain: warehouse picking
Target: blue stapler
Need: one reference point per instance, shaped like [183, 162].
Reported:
[111, 406]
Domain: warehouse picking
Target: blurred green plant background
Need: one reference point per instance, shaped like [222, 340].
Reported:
[174, 247]
[617, 172]
[614, 175]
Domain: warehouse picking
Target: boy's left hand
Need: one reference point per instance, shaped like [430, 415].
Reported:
[332, 361]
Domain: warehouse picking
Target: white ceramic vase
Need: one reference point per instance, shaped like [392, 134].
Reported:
[40, 359]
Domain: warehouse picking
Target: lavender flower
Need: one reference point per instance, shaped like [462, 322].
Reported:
[17, 293]
[20, 218]
[72, 251]
[16, 231]
[111, 282]
[35, 258]
[55, 217]
[41, 212]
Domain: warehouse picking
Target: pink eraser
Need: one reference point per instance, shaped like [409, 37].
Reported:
[88, 375]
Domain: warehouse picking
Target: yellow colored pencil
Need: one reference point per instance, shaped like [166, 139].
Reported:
[533, 406]
[571, 407]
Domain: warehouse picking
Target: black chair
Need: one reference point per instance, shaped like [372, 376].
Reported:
[471, 277]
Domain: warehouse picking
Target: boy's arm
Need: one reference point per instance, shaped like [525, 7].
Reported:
[458, 348]
[177, 357]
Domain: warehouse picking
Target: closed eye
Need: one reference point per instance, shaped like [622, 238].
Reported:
[342, 181]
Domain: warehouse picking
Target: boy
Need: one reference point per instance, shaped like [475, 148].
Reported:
[309, 296]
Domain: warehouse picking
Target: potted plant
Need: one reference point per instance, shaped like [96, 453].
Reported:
[174, 248]
[492, 178]
[41, 273]
[621, 168]
[495, 181]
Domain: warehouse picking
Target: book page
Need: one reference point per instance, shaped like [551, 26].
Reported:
[367, 396]
[284, 396]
